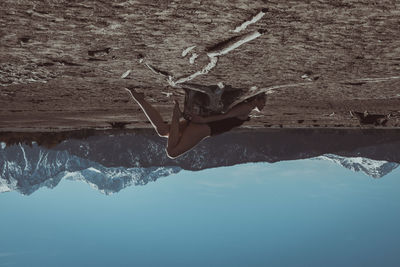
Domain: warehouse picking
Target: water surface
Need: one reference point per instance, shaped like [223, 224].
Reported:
[77, 204]
[304, 213]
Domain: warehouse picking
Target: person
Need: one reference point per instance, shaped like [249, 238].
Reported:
[185, 134]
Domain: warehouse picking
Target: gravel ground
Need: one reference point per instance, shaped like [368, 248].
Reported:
[61, 62]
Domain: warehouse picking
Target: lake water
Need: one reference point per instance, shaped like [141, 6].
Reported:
[62, 208]
[303, 213]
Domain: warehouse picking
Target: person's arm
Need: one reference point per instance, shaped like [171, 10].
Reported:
[240, 110]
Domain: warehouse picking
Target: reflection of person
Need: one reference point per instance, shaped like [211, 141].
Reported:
[184, 135]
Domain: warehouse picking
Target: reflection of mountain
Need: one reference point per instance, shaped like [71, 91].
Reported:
[373, 168]
[112, 162]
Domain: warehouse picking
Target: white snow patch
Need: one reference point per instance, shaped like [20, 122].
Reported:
[167, 94]
[26, 160]
[76, 175]
[251, 21]
[306, 77]
[229, 46]
[193, 58]
[126, 73]
[94, 170]
[205, 70]
[213, 56]
[378, 79]
[187, 50]
[370, 167]
[4, 188]
[171, 82]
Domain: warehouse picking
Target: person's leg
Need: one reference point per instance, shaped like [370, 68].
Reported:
[191, 136]
[174, 135]
[151, 113]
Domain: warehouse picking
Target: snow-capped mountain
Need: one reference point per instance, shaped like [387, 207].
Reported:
[110, 163]
[26, 169]
[373, 168]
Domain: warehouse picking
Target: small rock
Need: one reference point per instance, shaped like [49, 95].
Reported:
[126, 73]
[187, 50]
[167, 94]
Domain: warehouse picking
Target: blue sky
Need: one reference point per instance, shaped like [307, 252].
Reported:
[294, 213]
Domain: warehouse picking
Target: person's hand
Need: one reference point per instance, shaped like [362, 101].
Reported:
[136, 95]
[177, 111]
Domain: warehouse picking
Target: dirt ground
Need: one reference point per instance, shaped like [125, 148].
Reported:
[61, 62]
